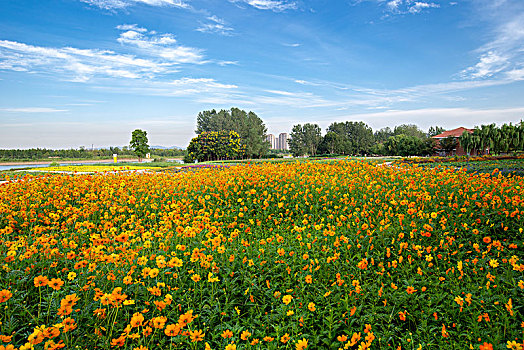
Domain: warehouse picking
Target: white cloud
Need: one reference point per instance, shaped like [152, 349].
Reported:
[216, 26]
[403, 6]
[227, 63]
[75, 64]
[33, 110]
[503, 55]
[120, 4]
[161, 46]
[134, 27]
[273, 5]
[419, 6]
[159, 54]
[489, 64]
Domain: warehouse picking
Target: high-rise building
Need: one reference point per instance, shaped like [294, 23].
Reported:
[272, 141]
[283, 141]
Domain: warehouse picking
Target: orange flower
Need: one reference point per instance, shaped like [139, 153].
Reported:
[245, 335]
[196, 336]
[411, 290]
[159, 322]
[120, 341]
[486, 239]
[172, 330]
[40, 281]
[402, 315]
[227, 334]
[55, 283]
[309, 279]
[137, 320]
[285, 338]
[5, 295]
[69, 324]
[486, 346]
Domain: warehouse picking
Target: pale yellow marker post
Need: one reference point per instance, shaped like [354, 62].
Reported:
[115, 156]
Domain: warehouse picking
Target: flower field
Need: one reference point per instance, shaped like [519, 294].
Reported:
[331, 255]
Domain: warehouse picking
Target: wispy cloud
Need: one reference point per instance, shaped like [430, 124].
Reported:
[74, 64]
[399, 7]
[409, 6]
[503, 55]
[160, 46]
[273, 5]
[183, 87]
[215, 25]
[159, 54]
[33, 110]
[291, 44]
[120, 4]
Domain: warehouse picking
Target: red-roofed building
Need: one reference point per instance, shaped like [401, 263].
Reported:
[456, 133]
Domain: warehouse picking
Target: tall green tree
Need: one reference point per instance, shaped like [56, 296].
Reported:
[139, 144]
[435, 130]
[305, 139]
[353, 137]
[409, 130]
[215, 145]
[248, 125]
[329, 143]
[383, 134]
[467, 142]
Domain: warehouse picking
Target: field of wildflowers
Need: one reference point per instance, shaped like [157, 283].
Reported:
[332, 255]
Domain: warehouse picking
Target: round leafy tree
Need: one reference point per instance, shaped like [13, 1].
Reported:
[139, 143]
[216, 145]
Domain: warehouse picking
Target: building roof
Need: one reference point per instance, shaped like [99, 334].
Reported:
[455, 133]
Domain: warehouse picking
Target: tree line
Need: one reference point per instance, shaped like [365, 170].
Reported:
[490, 139]
[357, 138]
[80, 153]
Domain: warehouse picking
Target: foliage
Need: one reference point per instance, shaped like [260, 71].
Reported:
[350, 138]
[405, 145]
[435, 130]
[488, 139]
[336, 255]
[304, 139]
[248, 125]
[139, 144]
[215, 145]
[448, 144]
[409, 130]
[383, 134]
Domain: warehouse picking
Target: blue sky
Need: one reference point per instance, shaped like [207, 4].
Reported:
[88, 72]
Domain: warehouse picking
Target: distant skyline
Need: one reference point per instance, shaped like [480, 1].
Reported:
[88, 72]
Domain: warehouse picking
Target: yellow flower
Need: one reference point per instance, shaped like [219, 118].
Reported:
[493, 263]
[311, 307]
[286, 299]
